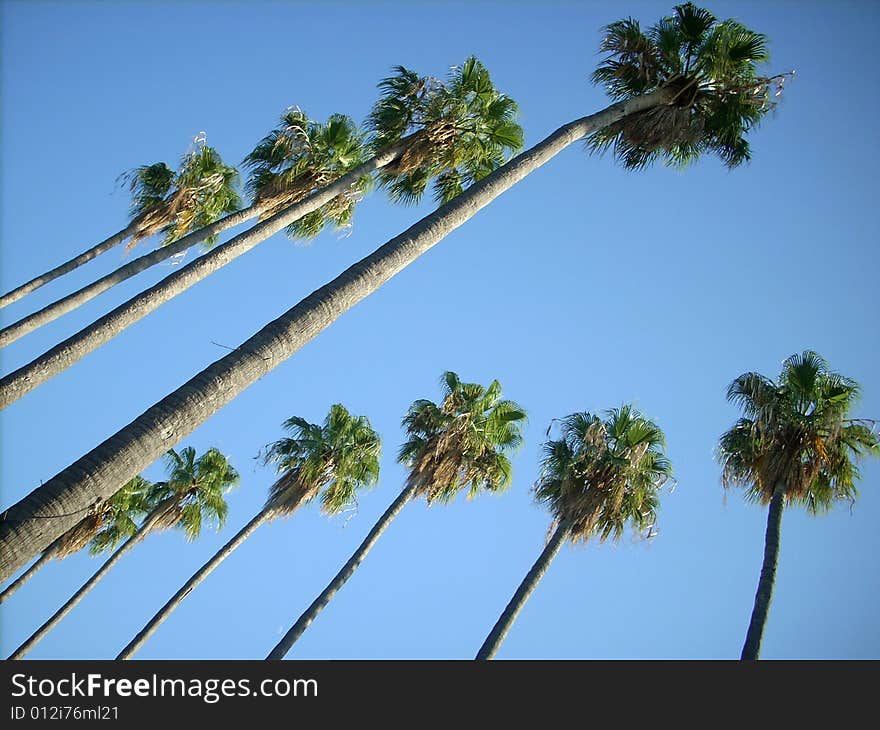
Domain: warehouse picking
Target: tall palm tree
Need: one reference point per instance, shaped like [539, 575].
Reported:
[119, 511]
[459, 444]
[297, 156]
[24, 533]
[796, 443]
[194, 204]
[191, 496]
[335, 460]
[599, 475]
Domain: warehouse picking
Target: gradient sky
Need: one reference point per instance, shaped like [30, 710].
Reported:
[582, 288]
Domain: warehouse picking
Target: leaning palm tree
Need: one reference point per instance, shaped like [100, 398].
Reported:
[459, 444]
[795, 444]
[191, 496]
[478, 132]
[194, 204]
[599, 475]
[116, 514]
[335, 460]
[101, 471]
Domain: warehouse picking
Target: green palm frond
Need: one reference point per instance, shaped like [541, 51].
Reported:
[710, 66]
[603, 473]
[797, 435]
[463, 442]
[459, 131]
[120, 514]
[193, 495]
[334, 460]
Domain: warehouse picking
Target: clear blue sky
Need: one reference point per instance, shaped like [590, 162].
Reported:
[583, 287]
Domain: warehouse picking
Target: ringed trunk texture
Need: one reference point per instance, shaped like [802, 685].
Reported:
[72, 301]
[74, 348]
[66, 268]
[530, 582]
[27, 575]
[318, 605]
[24, 529]
[145, 633]
[41, 632]
[752, 646]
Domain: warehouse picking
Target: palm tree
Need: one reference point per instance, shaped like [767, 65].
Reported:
[191, 496]
[118, 513]
[598, 476]
[194, 204]
[291, 161]
[299, 156]
[795, 444]
[458, 131]
[335, 460]
[459, 444]
[24, 533]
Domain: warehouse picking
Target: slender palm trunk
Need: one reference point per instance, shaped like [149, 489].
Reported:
[318, 605]
[752, 646]
[530, 582]
[24, 531]
[41, 632]
[72, 301]
[67, 267]
[74, 348]
[27, 575]
[200, 575]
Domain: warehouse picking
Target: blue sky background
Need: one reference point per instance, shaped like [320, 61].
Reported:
[582, 288]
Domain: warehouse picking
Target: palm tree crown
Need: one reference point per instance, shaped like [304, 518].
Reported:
[796, 434]
[461, 443]
[340, 456]
[300, 155]
[194, 491]
[176, 203]
[461, 130]
[711, 67]
[602, 473]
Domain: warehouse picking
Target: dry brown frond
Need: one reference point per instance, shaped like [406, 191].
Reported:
[78, 536]
[288, 493]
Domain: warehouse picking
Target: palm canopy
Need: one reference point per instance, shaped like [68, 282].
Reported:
[461, 130]
[462, 442]
[194, 491]
[176, 203]
[114, 520]
[796, 434]
[335, 459]
[711, 66]
[604, 472]
[300, 155]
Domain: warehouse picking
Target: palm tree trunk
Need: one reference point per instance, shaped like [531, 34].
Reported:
[65, 268]
[530, 582]
[27, 575]
[41, 632]
[752, 646]
[67, 304]
[24, 531]
[74, 348]
[200, 575]
[318, 605]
